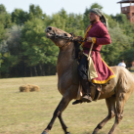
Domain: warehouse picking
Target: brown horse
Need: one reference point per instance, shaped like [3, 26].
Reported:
[116, 92]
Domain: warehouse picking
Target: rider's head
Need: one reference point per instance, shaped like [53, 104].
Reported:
[95, 15]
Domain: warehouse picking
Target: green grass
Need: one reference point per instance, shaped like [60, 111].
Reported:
[30, 113]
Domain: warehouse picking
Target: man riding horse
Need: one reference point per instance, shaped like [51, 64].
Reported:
[97, 34]
[116, 90]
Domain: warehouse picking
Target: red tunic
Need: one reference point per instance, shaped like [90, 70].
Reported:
[100, 32]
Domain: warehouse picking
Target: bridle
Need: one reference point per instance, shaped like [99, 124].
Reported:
[71, 39]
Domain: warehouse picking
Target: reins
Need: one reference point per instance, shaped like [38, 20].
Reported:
[72, 38]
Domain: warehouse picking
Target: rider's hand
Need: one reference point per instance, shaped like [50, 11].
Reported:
[89, 39]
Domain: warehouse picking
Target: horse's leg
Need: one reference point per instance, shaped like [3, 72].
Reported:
[62, 105]
[111, 113]
[121, 99]
[64, 127]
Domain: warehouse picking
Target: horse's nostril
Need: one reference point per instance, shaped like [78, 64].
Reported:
[65, 34]
[49, 28]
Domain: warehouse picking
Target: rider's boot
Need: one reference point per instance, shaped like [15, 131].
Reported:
[87, 93]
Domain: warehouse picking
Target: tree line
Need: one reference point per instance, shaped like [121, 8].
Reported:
[25, 50]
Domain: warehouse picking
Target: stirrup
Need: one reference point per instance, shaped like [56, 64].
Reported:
[86, 98]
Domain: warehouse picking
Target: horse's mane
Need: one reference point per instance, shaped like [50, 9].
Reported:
[76, 48]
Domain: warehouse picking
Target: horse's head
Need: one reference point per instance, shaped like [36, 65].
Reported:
[54, 34]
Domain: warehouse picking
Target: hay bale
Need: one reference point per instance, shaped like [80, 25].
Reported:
[29, 88]
[24, 88]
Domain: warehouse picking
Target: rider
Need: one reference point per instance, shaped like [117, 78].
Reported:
[96, 33]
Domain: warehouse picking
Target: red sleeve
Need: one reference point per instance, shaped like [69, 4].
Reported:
[104, 36]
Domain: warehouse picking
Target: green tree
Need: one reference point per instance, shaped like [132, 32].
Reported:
[35, 12]
[2, 9]
[120, 43]
[19, 16]
[9, 48]
[36, 48]
[63, 14]
[2, 32]
[128, 56]
[5, 18]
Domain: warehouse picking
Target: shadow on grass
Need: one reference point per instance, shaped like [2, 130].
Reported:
[91, 133]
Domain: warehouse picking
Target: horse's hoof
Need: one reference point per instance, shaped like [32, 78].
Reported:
[94, 132]
[44, 132]
[68, 133]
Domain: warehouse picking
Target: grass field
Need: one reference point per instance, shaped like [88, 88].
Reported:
[30, 113]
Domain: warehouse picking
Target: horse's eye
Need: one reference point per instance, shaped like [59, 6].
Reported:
[65, 34]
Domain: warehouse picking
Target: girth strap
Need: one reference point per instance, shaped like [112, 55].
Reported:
[97, 95]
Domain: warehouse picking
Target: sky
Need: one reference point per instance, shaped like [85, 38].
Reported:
[71, 6]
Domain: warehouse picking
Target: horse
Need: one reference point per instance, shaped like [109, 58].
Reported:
[115, 93]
